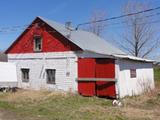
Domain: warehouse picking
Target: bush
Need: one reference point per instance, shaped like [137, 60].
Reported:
[157, 74]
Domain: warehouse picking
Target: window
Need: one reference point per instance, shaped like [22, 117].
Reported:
[25, 75]
[51, 76]
[133, 73]
[37, 43]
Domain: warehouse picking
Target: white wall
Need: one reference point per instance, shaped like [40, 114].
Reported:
[133, 86]
[63, 62]
[8, 75]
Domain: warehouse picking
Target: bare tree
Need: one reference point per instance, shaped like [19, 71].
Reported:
[139, 37]
[97, 27]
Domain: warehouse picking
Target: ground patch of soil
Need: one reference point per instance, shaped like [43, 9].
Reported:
[7, 115]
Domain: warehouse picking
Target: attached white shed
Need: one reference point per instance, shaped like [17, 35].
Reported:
[134, 77]
[8, 75]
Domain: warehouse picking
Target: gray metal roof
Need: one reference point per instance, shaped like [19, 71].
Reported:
[85, 40]
[90, 42]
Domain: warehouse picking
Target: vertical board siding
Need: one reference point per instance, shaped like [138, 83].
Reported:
[86, 88]
[96, 68]
[86, 69]
[105, 68]
[105, 89]
[52, 41]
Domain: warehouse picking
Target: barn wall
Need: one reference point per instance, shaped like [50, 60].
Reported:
[63, 62]
[96, 68]
[52, 41]
[134, 86]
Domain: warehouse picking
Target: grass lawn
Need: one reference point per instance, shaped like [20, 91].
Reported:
[157, 73]
[44, 105]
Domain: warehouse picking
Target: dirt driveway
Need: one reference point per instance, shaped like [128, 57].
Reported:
[6, 115]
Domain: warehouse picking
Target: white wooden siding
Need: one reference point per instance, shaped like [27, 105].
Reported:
[66, 62]
[63, 62]
[133, 86]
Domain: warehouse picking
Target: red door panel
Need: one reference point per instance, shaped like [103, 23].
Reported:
[86, 88]
[86, 69]
[96, 68]
[105, 68]
[104, 88]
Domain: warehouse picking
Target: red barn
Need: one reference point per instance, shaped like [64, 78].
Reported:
[53, 56]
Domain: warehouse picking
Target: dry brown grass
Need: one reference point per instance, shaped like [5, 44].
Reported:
[44, 105]
[145, 106]
[31, 95]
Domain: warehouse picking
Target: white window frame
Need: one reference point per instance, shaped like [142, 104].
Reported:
[53, 81]
[35, 46]
[25, 76]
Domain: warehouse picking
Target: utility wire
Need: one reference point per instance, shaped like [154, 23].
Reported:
[123, 22]
[117, 17]
[130, 25]
[23, 27]
[11, 30]
[107, 25]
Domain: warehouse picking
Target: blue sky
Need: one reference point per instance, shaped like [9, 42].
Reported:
[22, 12]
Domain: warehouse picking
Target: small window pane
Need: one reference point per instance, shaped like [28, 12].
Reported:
[133, 73]
[50, 76]
[25, 75]
[37, 43]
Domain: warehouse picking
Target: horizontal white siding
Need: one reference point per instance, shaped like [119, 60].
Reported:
[133, 86]
[63, 62]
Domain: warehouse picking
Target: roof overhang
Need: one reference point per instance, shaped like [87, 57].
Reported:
[92, 54]
[133, 58]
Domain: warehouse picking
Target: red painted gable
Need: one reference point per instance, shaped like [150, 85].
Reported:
[52, 41]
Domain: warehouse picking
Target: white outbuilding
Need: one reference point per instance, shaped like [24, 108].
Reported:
[8, 75]
[49, 55]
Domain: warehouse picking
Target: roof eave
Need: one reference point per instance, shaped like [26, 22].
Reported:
[133, 58]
